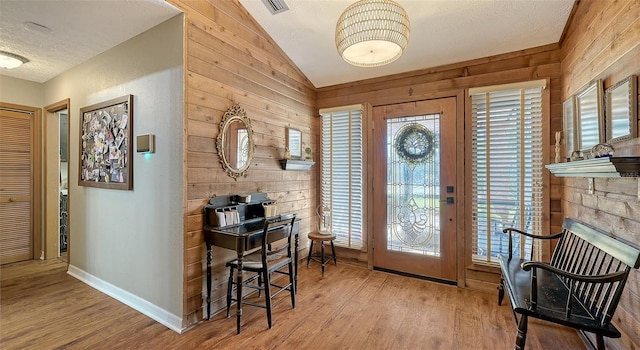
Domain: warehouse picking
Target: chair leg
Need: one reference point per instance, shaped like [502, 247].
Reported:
[292, 286]
[259, 284]
[267, 295]
[310, 252]
[501, 291]
[229, 291]
[521, 338]
[599, 342]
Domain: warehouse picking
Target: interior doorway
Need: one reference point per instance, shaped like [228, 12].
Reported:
[63, 194]
[415, 174]
[57, 232]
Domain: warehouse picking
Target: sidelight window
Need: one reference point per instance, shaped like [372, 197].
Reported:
[342, 173]
[507, 163]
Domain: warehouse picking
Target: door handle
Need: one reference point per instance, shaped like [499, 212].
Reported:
[449, 200]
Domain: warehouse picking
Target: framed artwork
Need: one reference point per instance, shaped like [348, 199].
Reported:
[590, 117]
[105, 144]
[294, 142]
[621, 110]
[569, 126]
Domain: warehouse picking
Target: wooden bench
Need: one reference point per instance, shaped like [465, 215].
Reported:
[579, 288]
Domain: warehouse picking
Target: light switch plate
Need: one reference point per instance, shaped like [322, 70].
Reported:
[591, 186]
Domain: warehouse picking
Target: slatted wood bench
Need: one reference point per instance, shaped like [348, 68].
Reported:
[580, 287]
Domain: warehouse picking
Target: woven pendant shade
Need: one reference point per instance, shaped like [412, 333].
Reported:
[372, 33]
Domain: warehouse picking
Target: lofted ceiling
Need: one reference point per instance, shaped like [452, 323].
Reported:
[442, 32]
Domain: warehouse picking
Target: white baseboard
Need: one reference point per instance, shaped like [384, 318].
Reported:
[162, 316]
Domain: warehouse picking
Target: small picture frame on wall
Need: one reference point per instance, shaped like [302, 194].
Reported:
[569, 126]
[105, 144]
[621, 110]
[294, 143]
[590, 117]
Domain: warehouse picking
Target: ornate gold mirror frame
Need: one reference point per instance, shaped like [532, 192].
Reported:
[235, 142]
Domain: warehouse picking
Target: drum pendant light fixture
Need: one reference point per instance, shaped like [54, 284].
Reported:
[372, 33]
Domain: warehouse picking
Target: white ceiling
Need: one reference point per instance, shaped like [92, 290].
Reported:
[80, 30]
[442, 32]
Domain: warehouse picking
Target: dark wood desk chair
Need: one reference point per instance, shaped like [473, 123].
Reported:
[266, 261]
[322, 259]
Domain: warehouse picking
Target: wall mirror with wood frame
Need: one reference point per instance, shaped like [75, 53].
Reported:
[622, 110]
[590, 117]
[235, 142]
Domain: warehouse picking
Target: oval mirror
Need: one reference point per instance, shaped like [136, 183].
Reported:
[235, 142]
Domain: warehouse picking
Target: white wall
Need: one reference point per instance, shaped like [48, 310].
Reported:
[130, 243]
[21, 92]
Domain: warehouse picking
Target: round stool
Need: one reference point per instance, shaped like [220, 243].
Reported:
[315, 236]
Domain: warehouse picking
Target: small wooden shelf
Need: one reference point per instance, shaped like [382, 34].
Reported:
[598, 167]
[295, 164]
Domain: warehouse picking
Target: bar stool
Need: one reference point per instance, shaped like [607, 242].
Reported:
[322, 259]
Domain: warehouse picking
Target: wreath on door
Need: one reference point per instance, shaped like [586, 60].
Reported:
[414, 143]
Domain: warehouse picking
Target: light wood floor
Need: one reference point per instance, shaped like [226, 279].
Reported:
[351, 308]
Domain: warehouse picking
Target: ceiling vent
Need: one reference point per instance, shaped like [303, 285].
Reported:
[276, 6]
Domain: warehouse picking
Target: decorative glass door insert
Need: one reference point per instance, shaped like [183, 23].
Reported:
[413, 184]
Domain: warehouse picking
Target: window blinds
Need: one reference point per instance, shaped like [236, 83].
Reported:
[342, 173]
[507, 168]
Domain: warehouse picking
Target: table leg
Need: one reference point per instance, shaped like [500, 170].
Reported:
[208, 281]
[239, 291]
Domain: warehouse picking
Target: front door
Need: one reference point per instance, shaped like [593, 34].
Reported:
[414, 225]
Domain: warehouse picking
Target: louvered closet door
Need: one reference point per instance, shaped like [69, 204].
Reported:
[16, 191]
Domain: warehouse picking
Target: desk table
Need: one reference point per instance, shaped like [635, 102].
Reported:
[242, 238]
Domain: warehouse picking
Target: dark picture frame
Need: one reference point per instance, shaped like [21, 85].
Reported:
[106, 152]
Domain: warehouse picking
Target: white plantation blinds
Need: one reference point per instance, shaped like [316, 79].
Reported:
[506, 169]
[342, 142]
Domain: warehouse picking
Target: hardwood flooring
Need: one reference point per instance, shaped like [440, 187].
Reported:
[351, 308]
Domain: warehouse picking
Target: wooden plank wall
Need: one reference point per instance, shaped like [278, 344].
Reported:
[603, 42]
[452, 80]
[229, 59]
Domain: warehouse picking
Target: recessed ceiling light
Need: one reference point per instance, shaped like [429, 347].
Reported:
[10, 60]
